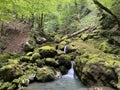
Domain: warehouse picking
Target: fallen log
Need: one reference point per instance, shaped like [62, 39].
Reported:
[90, 28]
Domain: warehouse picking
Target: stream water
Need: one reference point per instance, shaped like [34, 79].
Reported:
[66, 82]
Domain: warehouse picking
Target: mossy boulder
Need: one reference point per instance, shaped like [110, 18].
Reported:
[63, 70]
[25, 59]
[64, 60]
[45, 74]
[35, 56]
[51, 62]
[5, 86]
[40, 62]
[10, 71]
[97, 69]
[47, 51]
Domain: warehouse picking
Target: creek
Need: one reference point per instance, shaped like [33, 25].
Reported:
[66, 82]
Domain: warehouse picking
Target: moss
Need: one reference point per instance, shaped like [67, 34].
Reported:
[51, 62]
[45, 74]
[64, 60]
[40, 62]
[47, 51]
[22, 88]
[35, 56]
[105, 47]
[63, 70]
[29, 54]
[9, 72]
[12, 87]
[5, 86]
[84, 37]
[25, 59]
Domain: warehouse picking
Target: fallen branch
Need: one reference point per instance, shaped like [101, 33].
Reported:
[93, 27]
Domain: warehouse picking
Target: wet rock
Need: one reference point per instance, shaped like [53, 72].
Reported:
[45, 74]
[64, 60]
[63, 70]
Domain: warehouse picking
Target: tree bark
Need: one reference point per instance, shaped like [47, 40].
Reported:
[108, 11]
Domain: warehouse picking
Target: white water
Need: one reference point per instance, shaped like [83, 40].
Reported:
[65, 49]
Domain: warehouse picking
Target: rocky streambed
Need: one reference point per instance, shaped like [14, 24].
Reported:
[47, 63]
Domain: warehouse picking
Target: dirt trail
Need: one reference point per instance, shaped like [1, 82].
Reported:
[17, 35]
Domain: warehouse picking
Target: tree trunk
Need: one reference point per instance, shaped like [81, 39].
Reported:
[108, 11]
[77, 11]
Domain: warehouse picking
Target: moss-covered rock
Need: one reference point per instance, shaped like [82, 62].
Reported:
[5, 86]
[10, 71]
[35, 56]
[45, 74]
[84, 37]
[63, 70]
[25, 59]
[51, 62]
[47, 51]
[64, 60]
[40, 62]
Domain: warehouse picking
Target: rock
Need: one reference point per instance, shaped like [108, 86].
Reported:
[47, 51]
[22, 88]
[28, 47]
[25, 59]
[10, 71]
[35, 56]
[40, 40]
[12, 87]
[29, 54]
[5, 86]
[64, 60]
[51, 62]
[63, 70]
[45, 74]
[40, 62]
[95, 69]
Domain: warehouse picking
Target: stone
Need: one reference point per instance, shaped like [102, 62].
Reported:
[47, 51]
[45, 74]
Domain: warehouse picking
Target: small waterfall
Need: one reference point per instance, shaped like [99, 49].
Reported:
[70, 73]
[65, 48]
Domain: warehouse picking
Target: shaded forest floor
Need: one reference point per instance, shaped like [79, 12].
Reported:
[17, 34]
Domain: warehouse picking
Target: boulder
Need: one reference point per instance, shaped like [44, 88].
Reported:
[45, 74]
[47, 51]
[5, 86]
[10, 71]
[64, 60]
[51, 62]
[35, 56]
[97, 69]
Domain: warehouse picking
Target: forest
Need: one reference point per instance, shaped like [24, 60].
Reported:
[59, 44]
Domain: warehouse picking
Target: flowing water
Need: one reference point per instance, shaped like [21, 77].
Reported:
[66, 82]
